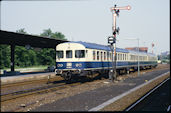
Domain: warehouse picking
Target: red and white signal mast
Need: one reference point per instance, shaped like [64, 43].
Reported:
[112, 39]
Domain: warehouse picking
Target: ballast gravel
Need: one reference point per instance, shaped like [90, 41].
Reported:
[29, 103]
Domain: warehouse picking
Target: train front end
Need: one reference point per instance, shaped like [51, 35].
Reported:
[70, 60]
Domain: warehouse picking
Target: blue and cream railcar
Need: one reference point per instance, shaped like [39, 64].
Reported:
[81, 58]
[146, 60]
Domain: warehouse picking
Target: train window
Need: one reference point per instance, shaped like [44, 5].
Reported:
[116, 56]
[97, 55]
[101, 55]
[132, 57]
[79, 53]
[94, 55]
[120, 57]
[104, 55]
[59, 54]
[69, 54]
[110, 56]
[107, 55]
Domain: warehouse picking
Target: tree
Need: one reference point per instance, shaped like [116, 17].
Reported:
[31, 57]
[48, 55]
[4, 56]
[22, 30]
[50, 34]
[46, 33]
[58, 35]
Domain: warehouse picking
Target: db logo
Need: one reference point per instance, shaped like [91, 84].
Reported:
[78, 65]
[60, 65]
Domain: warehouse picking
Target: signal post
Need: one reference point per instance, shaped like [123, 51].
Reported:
[112, 39]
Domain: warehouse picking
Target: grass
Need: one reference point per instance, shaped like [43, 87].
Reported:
[41, 67]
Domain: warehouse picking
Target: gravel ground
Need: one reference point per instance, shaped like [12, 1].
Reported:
[34, 84]
[50, 97]
[92, 98]
[32, 102]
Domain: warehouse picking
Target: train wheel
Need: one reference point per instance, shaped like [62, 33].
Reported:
[67, 76]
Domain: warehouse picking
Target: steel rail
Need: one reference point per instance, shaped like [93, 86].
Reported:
[21, 93]
[29, 82]
[32, 91]
[146, 95]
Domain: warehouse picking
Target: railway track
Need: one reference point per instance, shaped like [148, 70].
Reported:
[5, 98]
[39, 90]
[133, 106]
[45, 80]
[32, 91]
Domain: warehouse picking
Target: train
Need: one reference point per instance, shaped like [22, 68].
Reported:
[77, 58]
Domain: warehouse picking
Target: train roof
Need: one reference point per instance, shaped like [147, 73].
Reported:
[141, 53]
[98, 46]
[107, 48]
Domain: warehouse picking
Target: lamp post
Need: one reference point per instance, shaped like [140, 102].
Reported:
[115, 12]
[138, 53]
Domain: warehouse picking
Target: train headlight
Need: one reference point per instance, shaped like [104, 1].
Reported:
[78, 65]
[60, 65]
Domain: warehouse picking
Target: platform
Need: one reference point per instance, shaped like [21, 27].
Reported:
[26, 77]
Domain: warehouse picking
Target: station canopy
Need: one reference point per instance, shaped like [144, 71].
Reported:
[12, 38]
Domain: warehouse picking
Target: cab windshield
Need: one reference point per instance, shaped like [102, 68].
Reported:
[79, 53]
[69, 54]
[59, 54]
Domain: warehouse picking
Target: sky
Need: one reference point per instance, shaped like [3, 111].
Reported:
[91, 20]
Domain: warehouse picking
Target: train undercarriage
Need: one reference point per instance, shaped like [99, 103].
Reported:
[71, 74]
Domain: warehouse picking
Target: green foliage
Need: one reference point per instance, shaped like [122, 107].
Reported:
[4, 56]
[24, 57]
[31, 57]
[50, 34]
[164, 58]
[22, 30]
[46, 33]
[46, 56]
